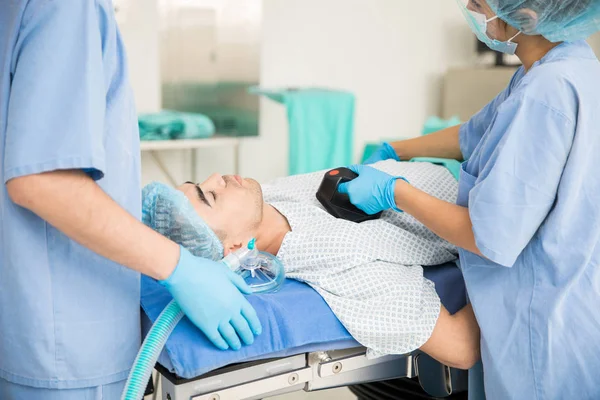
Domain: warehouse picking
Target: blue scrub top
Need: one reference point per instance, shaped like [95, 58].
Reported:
[68, 318]
[532, 187]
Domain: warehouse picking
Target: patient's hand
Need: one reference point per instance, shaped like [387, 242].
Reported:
[455, 339]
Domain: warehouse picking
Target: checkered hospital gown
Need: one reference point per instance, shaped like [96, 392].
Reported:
[370, 274]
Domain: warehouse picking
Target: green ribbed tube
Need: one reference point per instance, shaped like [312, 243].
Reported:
[151, 348]
[161, 330]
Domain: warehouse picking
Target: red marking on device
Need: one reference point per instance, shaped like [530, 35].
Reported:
[334, 172]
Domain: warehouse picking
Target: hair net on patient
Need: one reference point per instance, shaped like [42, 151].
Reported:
[170, 213]
[556, 20]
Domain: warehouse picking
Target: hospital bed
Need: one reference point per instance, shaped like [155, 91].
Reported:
[303, 347]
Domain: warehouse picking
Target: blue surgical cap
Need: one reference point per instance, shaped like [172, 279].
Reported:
[170, 213]
[556, 20]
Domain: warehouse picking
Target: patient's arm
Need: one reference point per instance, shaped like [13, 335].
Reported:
[455, 339]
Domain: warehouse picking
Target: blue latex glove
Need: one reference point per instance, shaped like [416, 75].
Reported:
[209, 294]
[372, 191]
[384, 152]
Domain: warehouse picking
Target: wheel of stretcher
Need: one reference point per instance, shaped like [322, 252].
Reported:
[397, 389]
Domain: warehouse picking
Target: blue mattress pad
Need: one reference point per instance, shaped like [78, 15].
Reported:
[295, 320]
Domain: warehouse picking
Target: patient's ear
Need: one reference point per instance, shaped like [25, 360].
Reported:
[231, 247]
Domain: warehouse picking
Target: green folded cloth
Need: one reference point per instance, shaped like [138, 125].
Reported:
[321, 127]
[172, 125]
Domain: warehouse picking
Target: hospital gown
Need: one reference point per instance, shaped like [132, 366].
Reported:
[370, 274]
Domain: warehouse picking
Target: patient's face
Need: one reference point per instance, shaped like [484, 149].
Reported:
[230, 205]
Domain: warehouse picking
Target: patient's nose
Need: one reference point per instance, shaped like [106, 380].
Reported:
[217, 180]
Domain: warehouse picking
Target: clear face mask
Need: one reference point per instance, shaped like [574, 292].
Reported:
[263, 272]
[478, 23]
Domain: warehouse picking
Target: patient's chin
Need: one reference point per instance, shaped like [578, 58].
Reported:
[256, 190]
[253, 184]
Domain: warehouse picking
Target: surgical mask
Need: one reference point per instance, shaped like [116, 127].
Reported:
[479, 25]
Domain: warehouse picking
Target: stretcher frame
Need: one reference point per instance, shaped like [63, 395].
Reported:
[312, 372]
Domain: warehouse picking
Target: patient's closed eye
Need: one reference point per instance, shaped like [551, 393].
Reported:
[201, 195]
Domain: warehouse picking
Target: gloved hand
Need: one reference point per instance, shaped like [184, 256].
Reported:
[372, 191]
[209, 294]
[384, 152]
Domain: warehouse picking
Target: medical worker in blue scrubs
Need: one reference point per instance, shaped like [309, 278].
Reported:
[71, 244]
[527, 218]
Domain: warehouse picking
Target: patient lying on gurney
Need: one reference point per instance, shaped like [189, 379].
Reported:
[370, 274]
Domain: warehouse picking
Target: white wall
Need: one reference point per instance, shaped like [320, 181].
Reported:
[392, 54]
[595, 43]
[139, 27]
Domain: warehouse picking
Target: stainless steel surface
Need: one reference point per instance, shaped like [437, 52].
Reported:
[249, 374]
[349, 367]
[304, 372]
[355, 362]
[261, 388]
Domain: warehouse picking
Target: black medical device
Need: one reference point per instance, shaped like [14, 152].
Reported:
[338, 204]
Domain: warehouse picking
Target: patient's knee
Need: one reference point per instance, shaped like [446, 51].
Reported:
[469, 359]
[455, 339]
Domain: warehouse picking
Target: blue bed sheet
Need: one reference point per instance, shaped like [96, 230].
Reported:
[295, 320]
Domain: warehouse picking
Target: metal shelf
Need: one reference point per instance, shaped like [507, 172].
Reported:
[214, 141]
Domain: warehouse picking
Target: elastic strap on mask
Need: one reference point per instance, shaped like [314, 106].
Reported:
[514, 37]
[495, 18]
